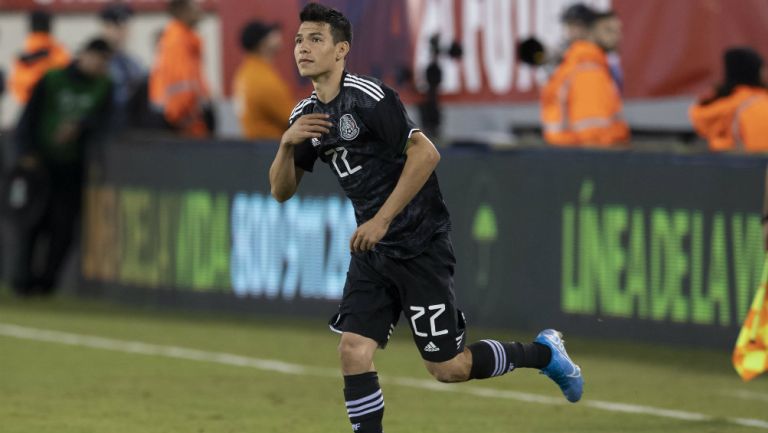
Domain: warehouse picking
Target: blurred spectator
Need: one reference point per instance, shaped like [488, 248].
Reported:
[577, 20]
[581, 104]
[41, 53]
[764, 218]
[141, 114]
[608, 29]
[263, 99]
[2, 84]
[178, 87]
[126, 73]
[734, 117]
[66, 113]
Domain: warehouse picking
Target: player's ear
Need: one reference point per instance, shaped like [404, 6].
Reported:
[342, 49]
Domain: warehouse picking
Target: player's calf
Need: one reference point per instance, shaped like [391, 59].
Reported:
[452, 371]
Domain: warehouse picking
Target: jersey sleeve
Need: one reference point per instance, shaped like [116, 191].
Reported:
[304, 154]
[389, 121]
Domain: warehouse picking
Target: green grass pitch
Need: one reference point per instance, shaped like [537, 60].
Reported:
[48, 387]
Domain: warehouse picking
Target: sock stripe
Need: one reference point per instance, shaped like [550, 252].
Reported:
[495, 355]
[362, 400]
[364, 410]
[365, 406]
[504, 363]
[500, 356]
[375, 409]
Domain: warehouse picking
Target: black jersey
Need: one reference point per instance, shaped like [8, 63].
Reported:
[365, 150]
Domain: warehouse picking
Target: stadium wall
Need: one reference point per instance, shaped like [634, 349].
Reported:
[618, 244]
[681, 56]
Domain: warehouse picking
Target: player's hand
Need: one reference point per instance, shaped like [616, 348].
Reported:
[305, 127]
[368, 235]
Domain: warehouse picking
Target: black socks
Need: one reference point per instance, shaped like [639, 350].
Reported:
[492, 358]
[364, 401]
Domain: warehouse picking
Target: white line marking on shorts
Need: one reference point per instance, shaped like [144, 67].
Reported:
[142, 348]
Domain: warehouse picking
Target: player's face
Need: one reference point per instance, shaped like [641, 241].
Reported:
[314, 50]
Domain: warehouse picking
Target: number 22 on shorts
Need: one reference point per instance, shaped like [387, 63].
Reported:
[421, 311]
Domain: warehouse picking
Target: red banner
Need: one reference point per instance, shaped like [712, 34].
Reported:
[90, 5]
[669, 47]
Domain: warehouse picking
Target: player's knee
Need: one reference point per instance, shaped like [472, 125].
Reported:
[356, 348]
[449, 371]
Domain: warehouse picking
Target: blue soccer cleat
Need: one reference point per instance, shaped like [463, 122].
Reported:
[565, 373]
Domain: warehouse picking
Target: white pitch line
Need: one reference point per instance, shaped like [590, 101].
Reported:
[747, 395]
[142, 348]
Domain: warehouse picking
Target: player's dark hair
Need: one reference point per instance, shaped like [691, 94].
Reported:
[341, 29]
[40, 21]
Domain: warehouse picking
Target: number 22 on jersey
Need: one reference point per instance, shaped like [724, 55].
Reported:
[347, 169]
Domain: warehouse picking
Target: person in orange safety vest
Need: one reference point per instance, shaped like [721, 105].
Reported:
[734, 117]
[41, 53]
[262, 97]
[581, 104]
[177, 84]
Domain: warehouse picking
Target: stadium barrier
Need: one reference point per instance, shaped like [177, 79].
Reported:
[646, 246]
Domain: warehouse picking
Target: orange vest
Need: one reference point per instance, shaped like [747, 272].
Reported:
[737, 122]
[263, 101]
[580, 105]
[41, 53]
[177, 84]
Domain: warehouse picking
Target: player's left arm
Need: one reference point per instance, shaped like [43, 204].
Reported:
[421, 159]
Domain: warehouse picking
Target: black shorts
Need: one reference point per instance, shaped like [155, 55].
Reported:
[379, 287]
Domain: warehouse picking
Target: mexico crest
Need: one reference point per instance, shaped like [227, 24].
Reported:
[348, 129]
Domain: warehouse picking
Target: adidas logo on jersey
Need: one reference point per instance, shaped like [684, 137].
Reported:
[431, 347]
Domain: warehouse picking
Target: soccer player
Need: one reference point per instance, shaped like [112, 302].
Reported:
[402, 258]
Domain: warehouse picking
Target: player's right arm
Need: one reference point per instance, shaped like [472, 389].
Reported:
[284, 175]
